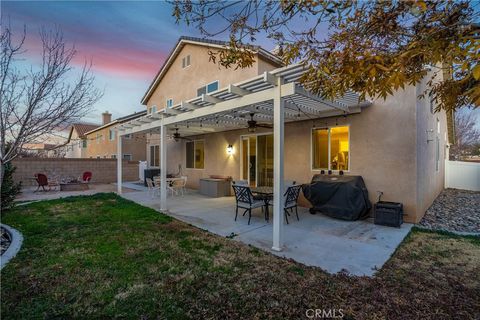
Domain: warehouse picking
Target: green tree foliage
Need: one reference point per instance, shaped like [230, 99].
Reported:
[371, 47]
[10, 189]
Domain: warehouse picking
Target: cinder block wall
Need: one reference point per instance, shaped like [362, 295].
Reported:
[103, 170]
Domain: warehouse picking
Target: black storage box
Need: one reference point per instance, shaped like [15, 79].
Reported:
[388, 213]
[150, 173]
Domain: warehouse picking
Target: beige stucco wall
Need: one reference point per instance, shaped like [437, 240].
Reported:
[105, 148]
[430, 181]
[383, 150]
[181, 84]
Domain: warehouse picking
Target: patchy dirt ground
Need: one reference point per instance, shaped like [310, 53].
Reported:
[454, 210]
[105, 257]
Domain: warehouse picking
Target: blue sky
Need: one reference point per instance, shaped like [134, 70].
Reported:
[127, 41]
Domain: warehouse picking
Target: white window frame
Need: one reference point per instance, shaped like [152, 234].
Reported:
[155, 155]
[113, 156]
[152, 109]
[206, 87]
[194, 142]
[218, 86]
[127, 154]
[186, 61]
[167, 102]
[349, 148]
[242, 137]
[110, 135]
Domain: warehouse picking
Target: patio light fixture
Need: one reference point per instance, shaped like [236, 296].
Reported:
[229, 149]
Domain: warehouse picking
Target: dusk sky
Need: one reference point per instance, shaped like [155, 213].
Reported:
[126, 41]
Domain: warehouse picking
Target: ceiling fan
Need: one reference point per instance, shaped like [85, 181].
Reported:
[177, 137]
[252, 124]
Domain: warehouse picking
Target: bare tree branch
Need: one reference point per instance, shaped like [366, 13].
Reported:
[35, 103]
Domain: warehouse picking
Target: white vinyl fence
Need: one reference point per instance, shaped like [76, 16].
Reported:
[462, 175]
[142, 165]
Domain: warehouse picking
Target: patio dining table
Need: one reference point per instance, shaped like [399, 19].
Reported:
[264, 193]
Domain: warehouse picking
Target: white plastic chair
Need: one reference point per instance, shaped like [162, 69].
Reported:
[152, 189]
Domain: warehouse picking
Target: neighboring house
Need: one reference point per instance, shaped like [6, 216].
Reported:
[397, 145]
[101, 142]
[76, 146]
[43, 150]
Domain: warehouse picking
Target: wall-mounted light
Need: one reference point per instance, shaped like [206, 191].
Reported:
[229, 149]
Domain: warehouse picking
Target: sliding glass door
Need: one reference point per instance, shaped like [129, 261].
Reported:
[257, 159]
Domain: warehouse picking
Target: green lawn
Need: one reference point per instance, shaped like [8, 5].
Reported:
[103, 256]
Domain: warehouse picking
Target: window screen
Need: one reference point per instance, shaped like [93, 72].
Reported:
[212, 87]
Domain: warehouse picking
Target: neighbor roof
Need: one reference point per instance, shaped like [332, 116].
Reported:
[81, 129]
[119, 120]
[266, 55]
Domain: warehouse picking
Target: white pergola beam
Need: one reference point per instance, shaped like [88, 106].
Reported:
[332, 104]
[278, 159]
[155, 115]
[119, 163]
[270, 78]
[171, 111]
[237, 90]
[188, 105]
[163, 167]
[210, 99]
[229, 105]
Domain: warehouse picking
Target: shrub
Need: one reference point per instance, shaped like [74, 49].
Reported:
[10, 188]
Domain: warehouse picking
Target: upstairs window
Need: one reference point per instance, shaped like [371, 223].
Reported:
[169, 103]
[84, 143]
[111, 134]
[98, 137]
[211, 87]
[153, 109]
[330, 148]
[186, 61]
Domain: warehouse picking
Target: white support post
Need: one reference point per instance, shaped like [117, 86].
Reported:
[163, 167]
[278, 154]
[119, 163]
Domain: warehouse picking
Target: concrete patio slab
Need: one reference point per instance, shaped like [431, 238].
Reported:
[357, 247]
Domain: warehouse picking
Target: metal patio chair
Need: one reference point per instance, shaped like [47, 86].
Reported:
[291, 200]
[245, 200]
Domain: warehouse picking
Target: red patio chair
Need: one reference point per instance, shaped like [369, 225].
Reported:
[86, 177]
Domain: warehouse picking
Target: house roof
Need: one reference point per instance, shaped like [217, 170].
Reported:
[81, 129]
[119, 120]
[265, 54]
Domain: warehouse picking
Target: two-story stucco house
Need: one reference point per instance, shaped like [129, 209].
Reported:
[259, 124]
[101, 142]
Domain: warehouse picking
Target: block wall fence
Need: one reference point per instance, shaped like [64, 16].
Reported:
[103, 170]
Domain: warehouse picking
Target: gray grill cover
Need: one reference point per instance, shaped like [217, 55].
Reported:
[342, 197]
